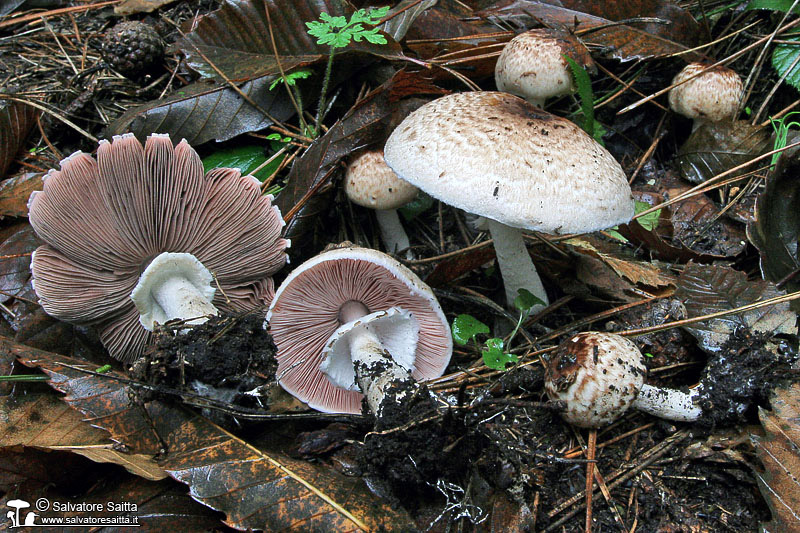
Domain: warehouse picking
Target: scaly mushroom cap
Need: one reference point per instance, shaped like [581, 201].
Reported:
[598, 375]
[369, 182]
[494, 154]
[713, 95]
[105, 220]
[305, 314]
[532, 64]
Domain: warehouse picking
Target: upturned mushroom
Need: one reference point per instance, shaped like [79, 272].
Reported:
[495, 155]
[600, 376]
[532, 64]
[141, 236]
[351, 321]
[369, 182]
[706, 94]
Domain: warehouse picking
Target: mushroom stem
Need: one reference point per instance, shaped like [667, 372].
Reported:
[670, 404]
[538, 102]
[180, 299]
[174, 286]
[392, 232]
[515, 263]
[375, 368]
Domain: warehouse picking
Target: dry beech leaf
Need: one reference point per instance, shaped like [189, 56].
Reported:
[254, 488]
[625, 42]
[44, 421]
[706, 289]
[779, 452]
[634, 271]
[236, 38]
[205, 111]
[714, 148]
[16, 121]
[15, 192]
[448, 270]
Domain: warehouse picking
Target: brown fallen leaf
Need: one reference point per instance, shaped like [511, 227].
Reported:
[16, 121]
[637, 272]
[779, 453]
[15, 192]
[131, 7]
[44, 421]
[256, 489]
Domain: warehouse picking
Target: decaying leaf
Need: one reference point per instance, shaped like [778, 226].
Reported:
[779, 453]
[205, 111]
[621, 41]
[130, 7]
[15, 192]
[44, 421]
[16, 120]
[254, 488]
[706, 289]
[236, 38]
[776, 229]
[15, 262]
[634, 271]
[308, 190]
[714, 148]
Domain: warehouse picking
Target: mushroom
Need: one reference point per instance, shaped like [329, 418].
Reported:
[601, 375]
[337, 316]
[711, 94]
[146, 220]
[495, 155]
[532, 64]
[369, 182]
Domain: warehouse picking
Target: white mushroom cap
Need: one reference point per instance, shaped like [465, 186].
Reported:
[369, 182]
[713, 95]
[532, 64]
[396, 329]
[305, 314]
[495, 155]
[598, 375]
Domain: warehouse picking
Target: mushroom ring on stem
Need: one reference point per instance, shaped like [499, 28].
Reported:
[148, 220]
[495, 155]
[351, 320]
[601, 375]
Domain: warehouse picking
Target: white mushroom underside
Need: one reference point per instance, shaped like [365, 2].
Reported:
[394, 329]
[174, 286]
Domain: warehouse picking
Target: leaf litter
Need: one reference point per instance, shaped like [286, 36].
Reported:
[498, 456]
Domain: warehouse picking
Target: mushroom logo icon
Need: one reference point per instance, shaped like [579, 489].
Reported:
[14, 515]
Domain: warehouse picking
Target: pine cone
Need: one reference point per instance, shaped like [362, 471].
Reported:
[132, 48]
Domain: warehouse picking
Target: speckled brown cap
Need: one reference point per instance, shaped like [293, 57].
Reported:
[496, 155]
[370, 182]
[598, 375]
[532, 64]
[713, 95]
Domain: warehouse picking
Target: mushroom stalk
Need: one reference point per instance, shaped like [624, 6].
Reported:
[670, 404]
[515, 263]
[181, 300]
[392, 232]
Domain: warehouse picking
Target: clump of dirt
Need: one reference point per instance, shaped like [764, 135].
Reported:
[743, 374]
[230, 358]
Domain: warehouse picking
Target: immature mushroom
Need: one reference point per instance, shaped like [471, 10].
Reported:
[495, 155]
[601, 375]
[369, 182]
[336, 316]
[532, 64]
[710, 95]
[109, 223]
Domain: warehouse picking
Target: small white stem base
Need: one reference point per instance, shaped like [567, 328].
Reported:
[180, 299]
[515, 263]
[392, 232]
[670, 404]
[375, 368]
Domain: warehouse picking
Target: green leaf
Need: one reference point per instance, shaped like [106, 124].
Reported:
[466, 327]
[245, 158]
[525, 301]
[494, 357]
[421, 203]
[291, 78]
[649, 221]
[616, 234]
[774, 5]
[584, 85]
[783, 57]
[318, 29]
